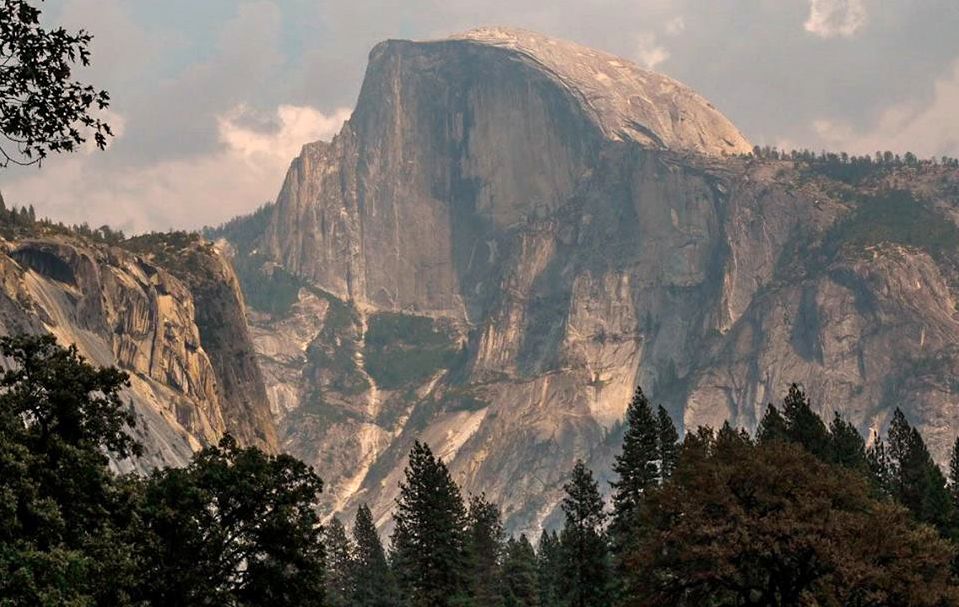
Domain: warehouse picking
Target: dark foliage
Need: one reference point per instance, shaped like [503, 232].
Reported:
[585, 569]
[429, 541]
[373, 582]
[248, 522]
[776, 526]
[42, 108]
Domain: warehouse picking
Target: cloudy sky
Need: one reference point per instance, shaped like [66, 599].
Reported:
[213, 98]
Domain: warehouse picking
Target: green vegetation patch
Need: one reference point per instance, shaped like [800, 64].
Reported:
[402, 349]
[266, 287]
[334, 349]
[895, 216]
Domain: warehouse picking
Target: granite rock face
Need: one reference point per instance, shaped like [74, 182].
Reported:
[511, 233]
[181, 335]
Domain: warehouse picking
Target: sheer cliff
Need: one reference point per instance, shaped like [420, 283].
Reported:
[171, 315]
[512, 232]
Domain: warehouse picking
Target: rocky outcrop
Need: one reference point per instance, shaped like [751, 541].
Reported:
[180, 335]
[511, 233]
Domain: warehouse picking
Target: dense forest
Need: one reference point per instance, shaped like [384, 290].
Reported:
[802, 513]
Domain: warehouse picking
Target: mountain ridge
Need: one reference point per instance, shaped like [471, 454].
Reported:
[482, 266]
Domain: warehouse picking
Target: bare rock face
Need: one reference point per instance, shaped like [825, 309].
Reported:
[511, 233]
[455, 141]
[180, 335]
[623, 100]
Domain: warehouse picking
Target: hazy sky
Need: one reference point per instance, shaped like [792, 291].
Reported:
[213, 98]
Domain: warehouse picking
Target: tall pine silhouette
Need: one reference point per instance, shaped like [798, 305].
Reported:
[803, 425]
[667, 443]
[373, 584]
[339, 565]
[520, 578]
[548, 568]
[484, 549]
[915, 479]
[586, 579]
[429, 539]
[636, 468]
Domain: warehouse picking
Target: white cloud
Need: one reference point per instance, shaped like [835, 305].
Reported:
[927, 130]
[292, 127]
[649, 53]
[832, 18]
[245, 171]
[675, 26]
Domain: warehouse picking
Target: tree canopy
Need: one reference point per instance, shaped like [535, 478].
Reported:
[43, 108]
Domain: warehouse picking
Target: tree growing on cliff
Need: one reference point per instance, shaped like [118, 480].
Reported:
[43, 108]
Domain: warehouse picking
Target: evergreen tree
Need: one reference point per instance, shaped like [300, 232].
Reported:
[772, 427]
[548, 568]
[848, 449]
[520, 579]
[877, 463]
[339, 565]
[954, 474]
[803, 425]
[373, 584]
[429, 537]
[729, 443]
[485, 550]
[668, 443]
[585, 569]
[636, 467]
[916, 481]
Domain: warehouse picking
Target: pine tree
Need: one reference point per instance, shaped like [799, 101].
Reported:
[636, 467]
[484, 549]
[339, 565]
[548, 568]
[916, 481]
[847, 449]
[772, 427]
[803, 425]
[954, 474]
[373, 584]
[429, 537]
[586, 577]
[667, 442]
[730, 443]
[520, 579]
[877, 463]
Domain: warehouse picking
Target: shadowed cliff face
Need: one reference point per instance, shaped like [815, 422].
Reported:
[512, 233]
[180, 334]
